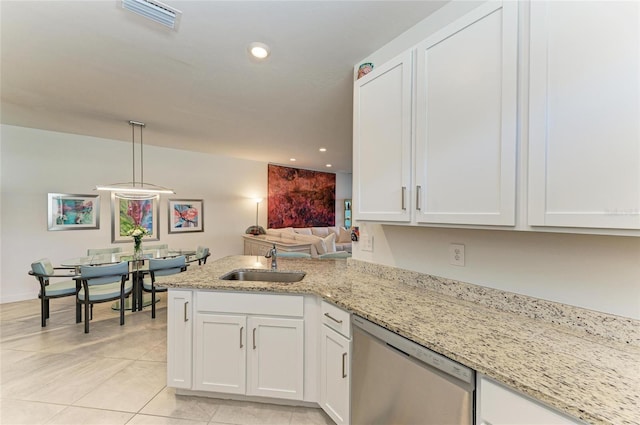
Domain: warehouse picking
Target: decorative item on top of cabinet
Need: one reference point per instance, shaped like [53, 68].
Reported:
[382, 142]
[584, 132]
[466, 88]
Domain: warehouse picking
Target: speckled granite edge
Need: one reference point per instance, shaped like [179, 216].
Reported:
[616, 328]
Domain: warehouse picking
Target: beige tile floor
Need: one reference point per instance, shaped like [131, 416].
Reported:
[113, 375]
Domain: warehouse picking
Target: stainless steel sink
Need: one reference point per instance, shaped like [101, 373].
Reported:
[260, 275]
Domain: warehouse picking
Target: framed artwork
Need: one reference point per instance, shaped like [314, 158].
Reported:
[73, 212]
[186, 215]
[126, 213]
[300, 198]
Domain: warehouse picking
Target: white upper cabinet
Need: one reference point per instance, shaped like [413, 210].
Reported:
[466, 91]
[584, 117]
[382, 142]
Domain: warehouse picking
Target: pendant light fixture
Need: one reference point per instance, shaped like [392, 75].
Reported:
[136, 190]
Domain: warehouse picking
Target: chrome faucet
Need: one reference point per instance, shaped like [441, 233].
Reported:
[273, 254]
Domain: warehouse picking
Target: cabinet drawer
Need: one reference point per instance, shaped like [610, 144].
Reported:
[250, 303]
[336, 319]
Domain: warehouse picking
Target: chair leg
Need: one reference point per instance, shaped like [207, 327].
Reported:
[43, 312]
[153, 301]
[78, 311]
[86, 314]
[46, 306]
[121, 308]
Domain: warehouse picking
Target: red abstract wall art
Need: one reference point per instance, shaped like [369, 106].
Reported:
[301, 198]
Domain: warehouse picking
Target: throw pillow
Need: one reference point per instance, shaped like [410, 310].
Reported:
[345, 236]
[329, 244]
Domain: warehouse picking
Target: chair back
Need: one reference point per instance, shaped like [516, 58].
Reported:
[156, 246]
[167, 266]
[201, 252]
[101, 275]
[42, 267]
[99, 251]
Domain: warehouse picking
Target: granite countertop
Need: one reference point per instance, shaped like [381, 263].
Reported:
[589, 377]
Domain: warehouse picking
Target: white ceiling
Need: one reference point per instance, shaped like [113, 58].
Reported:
[88, 67]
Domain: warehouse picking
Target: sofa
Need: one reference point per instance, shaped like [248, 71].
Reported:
[321, 240]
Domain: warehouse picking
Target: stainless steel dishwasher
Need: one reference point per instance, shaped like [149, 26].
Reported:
[395, 381]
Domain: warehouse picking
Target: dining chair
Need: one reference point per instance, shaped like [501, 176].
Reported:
[159, 268]
[99, 251]
[101, 284]
[43, 271]
[283, 254]
[202, 253]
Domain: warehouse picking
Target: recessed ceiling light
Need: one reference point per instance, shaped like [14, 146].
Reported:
[322, 149]
[259, 50]
[292, 159]
[329, 165]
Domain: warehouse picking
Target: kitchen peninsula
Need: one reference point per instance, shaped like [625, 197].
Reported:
[587, 370]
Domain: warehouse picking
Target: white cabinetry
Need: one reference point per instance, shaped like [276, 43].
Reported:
[465, 122]
[250, 344]
[382, 142]
[220, 353]
[335, 360]
[179, 328]
[498, 405]
[584, 131]
[466, 88]
[276, 357]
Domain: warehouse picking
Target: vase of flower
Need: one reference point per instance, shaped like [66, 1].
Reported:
[137, 232]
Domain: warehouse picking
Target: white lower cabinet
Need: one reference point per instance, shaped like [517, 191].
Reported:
[276, 357]
[241, 343]
[220, 353]
[335, 375]
[335, 363]
[499, 405]
[179, 342]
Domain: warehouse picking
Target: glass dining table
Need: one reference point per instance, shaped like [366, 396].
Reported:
[137, 266]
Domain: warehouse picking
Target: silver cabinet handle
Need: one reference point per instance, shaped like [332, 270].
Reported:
[404, 194]
[254, 338]
[241, 329]
[418, 190]
[333, 318]
[344, 358]
[186, 317]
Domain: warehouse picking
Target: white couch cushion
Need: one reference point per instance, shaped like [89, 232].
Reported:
[320, 231]
[303, 231]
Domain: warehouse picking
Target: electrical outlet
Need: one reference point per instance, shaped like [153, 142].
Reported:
[456, 254]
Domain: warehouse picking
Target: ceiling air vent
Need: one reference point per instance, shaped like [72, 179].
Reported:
[154, 10]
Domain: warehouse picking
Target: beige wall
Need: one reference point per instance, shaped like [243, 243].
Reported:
[35, 162]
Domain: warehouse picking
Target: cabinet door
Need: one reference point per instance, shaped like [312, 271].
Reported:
[220, 358]
[382, 142]
[335, 375]
[498, 405]
[584, 131]
[179, 338]
[276, 357]
[466, 89]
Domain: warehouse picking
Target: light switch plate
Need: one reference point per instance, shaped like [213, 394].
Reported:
[366, 242]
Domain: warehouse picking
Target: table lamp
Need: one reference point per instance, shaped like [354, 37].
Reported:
[257, 229]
